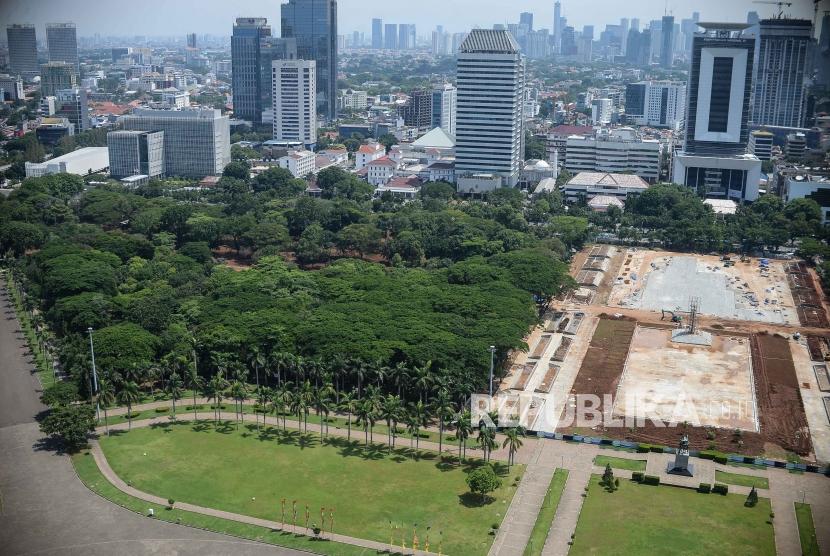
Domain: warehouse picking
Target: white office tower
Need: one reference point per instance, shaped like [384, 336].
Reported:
[489, 126]
[656, 103]
[444, 107]
[714, 160]
[601, 111]
[617, 151]
[783, 68]
[136, 153]
[295, 100]
[196, 140]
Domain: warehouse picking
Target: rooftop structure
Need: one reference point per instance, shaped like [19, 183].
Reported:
[80, 162]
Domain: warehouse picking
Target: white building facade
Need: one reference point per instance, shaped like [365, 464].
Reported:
[300, 163]
[656, 103]
[294, 90]
[617, 151]
[489, 127]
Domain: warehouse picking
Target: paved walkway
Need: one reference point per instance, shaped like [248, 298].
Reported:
[46, 510]
[117, 482]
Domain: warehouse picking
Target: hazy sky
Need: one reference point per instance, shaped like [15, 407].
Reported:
[177, 17]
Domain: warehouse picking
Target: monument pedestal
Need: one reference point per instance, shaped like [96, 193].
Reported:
[681, 465]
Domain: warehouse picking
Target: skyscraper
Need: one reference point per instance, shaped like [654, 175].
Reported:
[557, 26]
[22, 49]
[313, 23]
[390, 36]
[526, 18]
[667, 42]
[191, 40]
[821, 59]
[72, 104]
[714, 159]
[136, 153]
[270, 49]
[62, 42]
[489, 134]
[294, 92]
[196, 141]
[444, 107]
[635, 24]
[406, 36]
[417, 112]
[783, 66]
[246, 80]
[624, 27]
[377, 34]
[55, 76]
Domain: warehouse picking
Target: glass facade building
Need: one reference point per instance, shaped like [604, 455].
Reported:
[22, 50]
[62, 42]
[313, 24]
[246, 78]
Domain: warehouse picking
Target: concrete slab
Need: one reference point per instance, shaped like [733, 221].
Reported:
[703, 385]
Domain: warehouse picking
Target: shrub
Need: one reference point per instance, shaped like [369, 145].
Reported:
[720, 488]
[162, 409]
[643, 448]
[704, 488]
[653, 480]
[658, 449]
[721, 458]
[192, 407]
[494, 525]
[450, 438]
[170, 503]
[637, 476]
[423, 435]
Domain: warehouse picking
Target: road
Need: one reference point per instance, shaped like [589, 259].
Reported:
[44, 507]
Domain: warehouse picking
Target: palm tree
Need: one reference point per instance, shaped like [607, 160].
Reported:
[174, 388]
[360, 371]
[129, 395]
[419, 413]
[281, 361]
[365, 412]
[513, 442]
[400, 376]
[486, 441]
[196, 384]
[443, 408]
[348, 402]
[463, 430]
[281, 399]
[328, 393]
[215, 390]
[390, 410]
[411, 428]
[257, 359]
[106, 397]
[423, 379]
[239, 391]
[322, 405]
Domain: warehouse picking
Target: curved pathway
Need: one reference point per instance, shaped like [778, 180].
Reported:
[44, 507]
[117, 482]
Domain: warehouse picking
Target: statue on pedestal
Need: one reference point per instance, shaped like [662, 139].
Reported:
[681, 465]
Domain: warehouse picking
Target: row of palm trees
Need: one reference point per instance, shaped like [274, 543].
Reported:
[364, 409]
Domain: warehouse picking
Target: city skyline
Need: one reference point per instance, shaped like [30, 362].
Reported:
[132, 19]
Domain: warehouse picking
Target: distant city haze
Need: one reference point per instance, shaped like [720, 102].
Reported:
[164, 18]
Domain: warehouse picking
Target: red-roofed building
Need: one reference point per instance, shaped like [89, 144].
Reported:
[381, 170]
[367, 153]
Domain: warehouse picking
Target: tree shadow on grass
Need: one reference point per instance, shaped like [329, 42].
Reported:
[471, 500]
[201, 426]
[225, 427]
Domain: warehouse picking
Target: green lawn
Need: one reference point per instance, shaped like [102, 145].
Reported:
[741, 480]
[621, 463]
[806, 529]
[91, 476]
[226, 469]
[642, 519]
[545, 516]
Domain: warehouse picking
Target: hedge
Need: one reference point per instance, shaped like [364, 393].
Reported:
[637, 476]
[643, 448]
[718, 457]
[704, 488]
[720, 488]
[651, 480]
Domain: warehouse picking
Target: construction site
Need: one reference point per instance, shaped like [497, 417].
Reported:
[731, 351]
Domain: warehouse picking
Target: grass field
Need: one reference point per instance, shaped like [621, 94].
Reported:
[621, 463]
[641, 519]
[741, 480]
[249, 474]
[545, 516]
[806, 529]
[91, 476]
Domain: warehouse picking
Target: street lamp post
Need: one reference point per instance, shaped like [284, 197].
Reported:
[94, 376]
[492, 364]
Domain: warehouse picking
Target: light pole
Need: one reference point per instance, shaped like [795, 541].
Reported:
[94, 376]
[492, 364]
